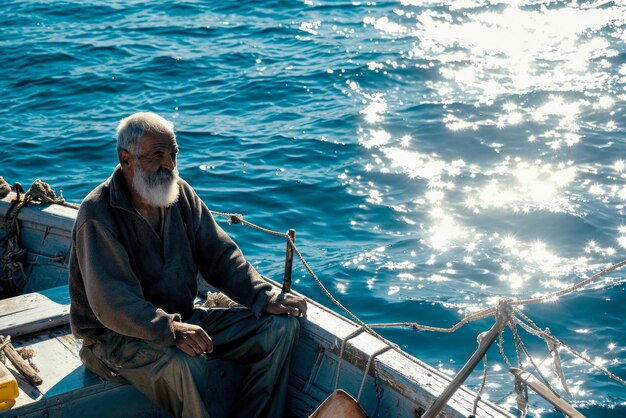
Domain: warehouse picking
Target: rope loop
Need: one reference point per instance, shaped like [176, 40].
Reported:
[19, 191]
[342, 350]
[367, 369]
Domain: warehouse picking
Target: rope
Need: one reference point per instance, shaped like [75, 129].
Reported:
[367, 369]
[485, 313]
[341, 351]
[501, 347]
[504, 316]
[538, 332]
[239, 218]
[571, 288]
[27, 354]
[521, 389]
[14, 256]
[235, 218]
[521, 344]
[4, 341]
[552, 347]
[556, 363]
[481, 388]
[42, 192]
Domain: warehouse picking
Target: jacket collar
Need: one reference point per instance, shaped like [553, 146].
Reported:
[119, 193]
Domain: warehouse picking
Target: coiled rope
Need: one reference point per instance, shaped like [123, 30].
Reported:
[12, 274]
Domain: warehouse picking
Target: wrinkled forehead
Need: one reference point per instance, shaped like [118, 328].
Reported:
[152, 142]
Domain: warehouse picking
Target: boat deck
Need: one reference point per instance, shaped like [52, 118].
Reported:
[68, 388]
[67, 384]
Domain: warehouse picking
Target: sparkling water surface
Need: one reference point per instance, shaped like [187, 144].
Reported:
[433, 156]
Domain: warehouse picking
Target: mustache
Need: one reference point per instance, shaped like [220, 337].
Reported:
[162, 176]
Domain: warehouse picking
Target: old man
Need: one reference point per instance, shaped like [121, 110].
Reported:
[139, 242]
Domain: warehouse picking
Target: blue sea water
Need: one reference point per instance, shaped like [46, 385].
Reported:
[433, 156]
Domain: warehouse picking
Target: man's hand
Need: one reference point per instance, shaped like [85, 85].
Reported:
[286, 303]
[192, 339]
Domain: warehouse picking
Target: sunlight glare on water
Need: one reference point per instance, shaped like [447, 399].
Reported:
[507, 55]
[532, 96]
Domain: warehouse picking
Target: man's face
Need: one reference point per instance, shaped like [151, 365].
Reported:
[154, 171]
[157, 154]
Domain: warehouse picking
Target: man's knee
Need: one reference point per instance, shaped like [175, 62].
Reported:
[180, 366]
[286, 327]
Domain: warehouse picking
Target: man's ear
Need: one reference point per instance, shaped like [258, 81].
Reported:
[124, 157]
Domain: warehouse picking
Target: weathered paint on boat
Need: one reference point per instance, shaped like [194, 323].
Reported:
[395, 385]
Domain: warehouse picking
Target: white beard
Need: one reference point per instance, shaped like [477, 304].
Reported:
[160, 190]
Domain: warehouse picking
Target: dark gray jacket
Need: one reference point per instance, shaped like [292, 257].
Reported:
[125, 278]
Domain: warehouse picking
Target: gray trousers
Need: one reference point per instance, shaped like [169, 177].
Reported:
[180, 383]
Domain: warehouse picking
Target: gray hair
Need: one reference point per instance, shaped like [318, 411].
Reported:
[131, 130]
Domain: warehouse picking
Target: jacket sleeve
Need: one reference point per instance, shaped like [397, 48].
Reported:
[223, 265]
[113, 290]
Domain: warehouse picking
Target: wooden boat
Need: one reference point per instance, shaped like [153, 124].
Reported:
[396, 384]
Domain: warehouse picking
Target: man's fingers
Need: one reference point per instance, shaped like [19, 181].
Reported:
[286, 303]
[302, 306]
[207, 343]
[188, 350]
[297, 306]
[196, 343]
[193, 340]
[292, 310]
[184, 347]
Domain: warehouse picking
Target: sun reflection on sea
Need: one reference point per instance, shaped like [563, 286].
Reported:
[523, 48]
[484, 55]
[522, 186]
[528, 93]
